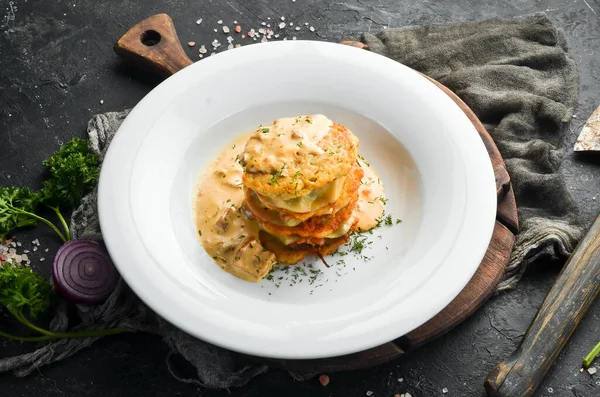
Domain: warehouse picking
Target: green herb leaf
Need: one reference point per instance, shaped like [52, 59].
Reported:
[22, 290]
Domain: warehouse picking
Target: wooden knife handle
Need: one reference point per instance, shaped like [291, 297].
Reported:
[153, 45]
[567, 302]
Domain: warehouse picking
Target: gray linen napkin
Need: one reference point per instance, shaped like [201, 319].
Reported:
[515, 75]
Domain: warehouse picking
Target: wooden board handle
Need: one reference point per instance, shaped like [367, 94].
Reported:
[569, 299]
[153, 45]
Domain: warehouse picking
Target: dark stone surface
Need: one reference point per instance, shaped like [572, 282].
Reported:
[57, 63]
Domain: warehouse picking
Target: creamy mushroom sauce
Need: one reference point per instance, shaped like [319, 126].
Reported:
[230, 237]
[286, 138]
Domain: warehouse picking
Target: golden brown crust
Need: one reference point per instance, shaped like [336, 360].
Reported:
[281, 217]
[292, 254]
[302, 174]
[317, 226]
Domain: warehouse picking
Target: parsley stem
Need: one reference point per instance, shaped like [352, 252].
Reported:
[25, 339]
[591, 355]
[46, 221]
[60, 335]
[63, 222]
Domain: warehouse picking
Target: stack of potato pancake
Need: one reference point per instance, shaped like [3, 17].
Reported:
[301, 180]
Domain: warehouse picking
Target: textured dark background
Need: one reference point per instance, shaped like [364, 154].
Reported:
[57, 64]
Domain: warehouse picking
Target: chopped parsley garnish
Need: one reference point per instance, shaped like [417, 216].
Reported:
[200, 233]
[358, 242]
[264, 130]
[398, 221]
[365, 161]
[299, 144]
[276, 175]
[388, 220]
[309, 120]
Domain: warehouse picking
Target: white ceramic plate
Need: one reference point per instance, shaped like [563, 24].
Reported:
[434, 166]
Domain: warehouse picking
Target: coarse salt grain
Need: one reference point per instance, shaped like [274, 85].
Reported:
[297, 27]
[324, 380]
[262, 31]
[235, 22]
[281, 25]
[26, 251]
[283, 18]
[243, 36]
[312, 28]
[263, 23]
[294, 38]
[291, 23]
[199, 21]
[42, 259]
[220, 21]
[19, 244]
[592, 370]
[202, 49]
[47, 249]
[400, 380]
[215, 30]
[305, 23]
[101, 101]
[191, 43]
[369, 393]
[225, 29]
[229, 39]
[230, 46]
[444, 390]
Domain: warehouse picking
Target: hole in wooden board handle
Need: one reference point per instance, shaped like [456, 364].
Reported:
[150, 38]
[153, 45]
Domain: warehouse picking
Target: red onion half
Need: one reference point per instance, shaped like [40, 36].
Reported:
[83, 272]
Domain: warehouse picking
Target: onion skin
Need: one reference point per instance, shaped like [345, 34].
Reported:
[83, 272]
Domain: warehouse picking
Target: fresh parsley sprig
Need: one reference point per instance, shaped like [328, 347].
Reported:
[73, 172]
[25, 294]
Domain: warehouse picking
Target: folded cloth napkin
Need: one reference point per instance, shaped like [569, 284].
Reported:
[515, 75]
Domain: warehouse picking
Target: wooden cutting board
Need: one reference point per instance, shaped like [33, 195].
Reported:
[153, 45]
